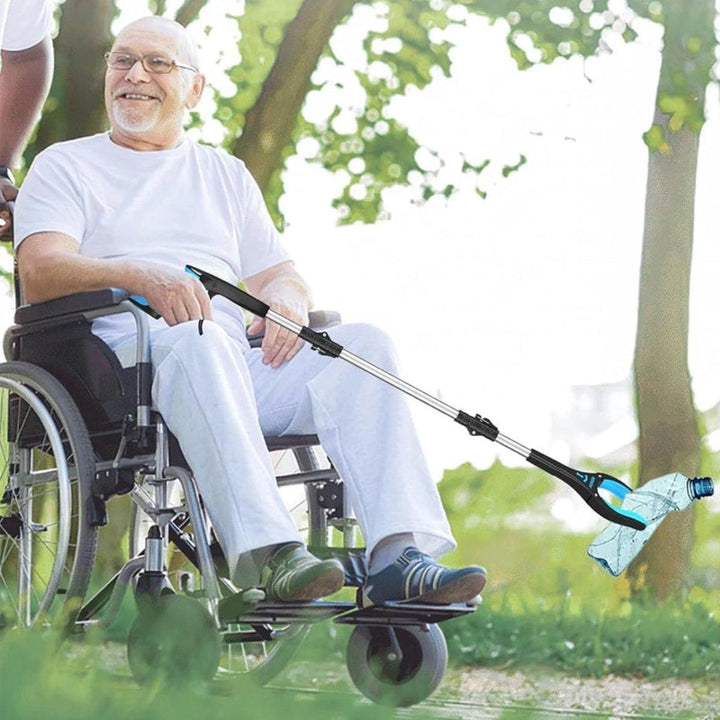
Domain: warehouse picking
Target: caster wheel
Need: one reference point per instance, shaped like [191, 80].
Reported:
[397, 666]
[176, 642]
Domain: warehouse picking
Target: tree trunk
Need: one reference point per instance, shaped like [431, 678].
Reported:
[270, 122]
[669, 438]
[77, 107]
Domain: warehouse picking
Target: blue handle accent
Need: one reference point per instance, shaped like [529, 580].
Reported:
[618, 489]
[143, 304]
[627, 513]
[190, 271]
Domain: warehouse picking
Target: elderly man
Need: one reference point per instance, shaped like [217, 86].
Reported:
[129, 209]
[25, 73]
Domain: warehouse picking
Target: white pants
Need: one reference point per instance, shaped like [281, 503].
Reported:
[218, 398]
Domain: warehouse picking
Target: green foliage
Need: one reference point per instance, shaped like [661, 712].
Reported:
[40, 679]
[262, 27]
[547, 604]
[410, 48]
[508, 169]
[651, 642]
[541, 31]
[406, 53]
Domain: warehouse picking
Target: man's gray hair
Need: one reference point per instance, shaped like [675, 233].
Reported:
[186, 44]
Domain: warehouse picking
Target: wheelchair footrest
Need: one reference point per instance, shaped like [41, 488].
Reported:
[275, 612]
[400, 613]
[346, 613]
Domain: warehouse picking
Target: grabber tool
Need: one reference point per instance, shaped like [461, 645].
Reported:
[586, 484]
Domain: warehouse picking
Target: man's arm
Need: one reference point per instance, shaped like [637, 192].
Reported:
[50, 266]
[282, 288]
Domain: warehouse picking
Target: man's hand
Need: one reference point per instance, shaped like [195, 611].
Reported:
[7, 192]
[279, 344]
[177, 296]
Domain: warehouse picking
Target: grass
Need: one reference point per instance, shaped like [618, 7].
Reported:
[652, 642]
[38, 680]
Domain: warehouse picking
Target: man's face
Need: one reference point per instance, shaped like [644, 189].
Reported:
[145, 106]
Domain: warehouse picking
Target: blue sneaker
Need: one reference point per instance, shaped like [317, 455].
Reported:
[416, 577]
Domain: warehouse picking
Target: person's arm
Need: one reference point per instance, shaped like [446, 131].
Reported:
[282, 288]
[50, 266]
[24, 85]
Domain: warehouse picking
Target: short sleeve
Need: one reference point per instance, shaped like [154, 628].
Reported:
[28, 22]
[260, 244]
[49, 200]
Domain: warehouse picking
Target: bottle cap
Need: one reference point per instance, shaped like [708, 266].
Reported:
[701, 487]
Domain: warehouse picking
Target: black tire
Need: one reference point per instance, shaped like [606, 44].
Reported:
[384, 678]
[57, 598]
[175, 642]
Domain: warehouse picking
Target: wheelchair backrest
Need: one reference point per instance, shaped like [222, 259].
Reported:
[103, 390]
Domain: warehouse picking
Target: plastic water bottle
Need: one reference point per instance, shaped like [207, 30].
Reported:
[616, 546]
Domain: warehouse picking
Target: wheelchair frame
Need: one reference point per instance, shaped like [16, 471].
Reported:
[380, 629]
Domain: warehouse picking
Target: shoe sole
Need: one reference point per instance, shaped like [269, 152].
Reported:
[462, 590]
[325, 584]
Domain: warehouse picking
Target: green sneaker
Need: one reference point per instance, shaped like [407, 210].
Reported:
[292, 574]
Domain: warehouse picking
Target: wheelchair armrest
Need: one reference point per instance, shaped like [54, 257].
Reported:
[70, 304]
[317, 320]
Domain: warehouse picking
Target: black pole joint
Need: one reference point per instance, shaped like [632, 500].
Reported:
[477, 425]
[321, 342]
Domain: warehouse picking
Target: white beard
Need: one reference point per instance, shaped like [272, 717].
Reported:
[132, 120]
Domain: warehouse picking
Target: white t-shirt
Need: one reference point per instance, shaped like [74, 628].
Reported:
[190, 205]
[24, 23]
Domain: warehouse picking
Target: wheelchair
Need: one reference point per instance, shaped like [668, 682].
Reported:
[77, 429]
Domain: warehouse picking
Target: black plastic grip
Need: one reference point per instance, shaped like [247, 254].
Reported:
[562, 472]
[216, 286]
[477, 425]
[321, 342]
[586, 485]
[609, 513]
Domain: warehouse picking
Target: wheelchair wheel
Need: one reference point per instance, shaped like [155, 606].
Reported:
[258, 661]
[175, 642]
[400, 670]
[47, 547]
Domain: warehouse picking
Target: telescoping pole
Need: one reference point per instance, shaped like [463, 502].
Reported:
[586, 484]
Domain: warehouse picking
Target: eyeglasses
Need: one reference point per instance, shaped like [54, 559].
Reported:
[154, 64]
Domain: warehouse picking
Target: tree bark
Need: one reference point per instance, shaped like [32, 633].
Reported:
[189, 11]
[270, 122]
[78, 108]
[669, 438]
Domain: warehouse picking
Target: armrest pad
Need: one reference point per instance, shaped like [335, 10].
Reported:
[70, 304]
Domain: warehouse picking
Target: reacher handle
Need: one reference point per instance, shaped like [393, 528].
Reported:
[216, 286]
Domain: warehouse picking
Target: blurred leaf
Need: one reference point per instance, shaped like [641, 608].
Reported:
[514, 168]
